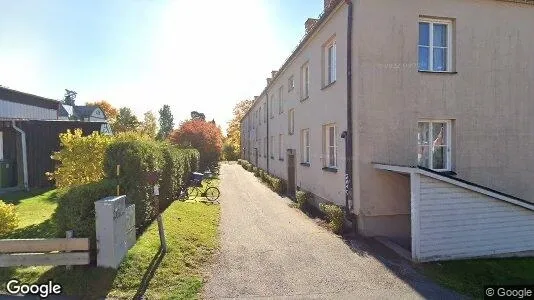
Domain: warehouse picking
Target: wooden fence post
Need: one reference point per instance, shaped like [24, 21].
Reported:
[68, 234]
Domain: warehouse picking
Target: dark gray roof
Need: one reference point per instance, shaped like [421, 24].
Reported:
[28, 99]
[84, 111]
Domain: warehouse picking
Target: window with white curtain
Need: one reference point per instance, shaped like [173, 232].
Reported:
[330, 146]
[305, 145]
[330, 62]
[434, 144]
[435, 45]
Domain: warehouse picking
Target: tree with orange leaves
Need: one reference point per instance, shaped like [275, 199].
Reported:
[204, 136]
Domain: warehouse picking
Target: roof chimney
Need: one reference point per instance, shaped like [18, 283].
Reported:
[273, 73]
[328, 4]
[269, 81]
[309, 24]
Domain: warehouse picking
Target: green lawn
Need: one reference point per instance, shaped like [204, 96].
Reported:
[34, 210]
[469, 276]
[191, 232]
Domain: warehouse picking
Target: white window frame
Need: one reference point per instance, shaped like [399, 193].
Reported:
[305, 81]
[1, 145]
[328, 144]
[281, 147]
[450, 46]
[305, 145]
[272, 105]
[291, 121]
[280, 100]
[271, 146]
[291, 83]
[330, 67]
[431, 146]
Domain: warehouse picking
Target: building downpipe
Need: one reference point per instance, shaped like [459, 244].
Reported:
[267, 124]
[24, 154]
[348, 138]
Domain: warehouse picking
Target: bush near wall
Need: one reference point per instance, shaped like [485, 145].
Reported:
[76, 208]
[335, 216]
[303, 199]
[137, 159]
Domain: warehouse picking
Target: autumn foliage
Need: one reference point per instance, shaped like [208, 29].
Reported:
[204, 136]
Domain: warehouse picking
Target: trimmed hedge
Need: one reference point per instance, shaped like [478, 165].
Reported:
[276, 184]
[76, 208]
[335, 216]
[137, 159]
[303, 199]
[177, 166]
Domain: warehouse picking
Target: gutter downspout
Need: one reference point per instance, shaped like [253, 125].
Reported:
[268, 148]
[348, 141]
[24, 154]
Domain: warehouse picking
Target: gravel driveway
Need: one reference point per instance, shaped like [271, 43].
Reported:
[270, 250]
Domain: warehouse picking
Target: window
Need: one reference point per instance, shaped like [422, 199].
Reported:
[330, 63]
[290, 83]
[291, 121]
[434, 145]
[280, 100]
[435, 39]
[281, 147]
[305, 146]
[1, 145]
[260, 116]
[271, 147]
[272, 106]
[330, 146]
[305, 81]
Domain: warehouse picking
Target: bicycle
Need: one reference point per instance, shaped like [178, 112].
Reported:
[193, 191]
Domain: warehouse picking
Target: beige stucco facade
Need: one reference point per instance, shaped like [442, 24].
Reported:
[488, 97]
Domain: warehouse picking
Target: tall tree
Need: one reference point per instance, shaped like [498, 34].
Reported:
[203, 136]
[233, 132]
[126, 121]
[149, 126]
[70, 97]
[195, 115]
[166, 122]
[110, 111]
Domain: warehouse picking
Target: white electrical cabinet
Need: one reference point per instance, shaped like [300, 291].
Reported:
[115, 230]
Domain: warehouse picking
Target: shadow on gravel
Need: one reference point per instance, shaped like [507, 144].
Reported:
[402, 268]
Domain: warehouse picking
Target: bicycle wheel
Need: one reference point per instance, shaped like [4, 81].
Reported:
[212, 193]
[193, 193]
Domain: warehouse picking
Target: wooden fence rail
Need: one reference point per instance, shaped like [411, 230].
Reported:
[44, 252]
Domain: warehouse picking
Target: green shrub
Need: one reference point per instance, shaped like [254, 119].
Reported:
[76, 209]
[303, 199]
[278, 185]
[8, 218]
[177, 166]
[257, 172]
[80, 158]
[137, 159]
[335, 216]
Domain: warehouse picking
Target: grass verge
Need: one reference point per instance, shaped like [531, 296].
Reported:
[470, 276]
[191, 233]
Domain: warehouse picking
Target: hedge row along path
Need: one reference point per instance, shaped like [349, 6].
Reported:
[271, 250]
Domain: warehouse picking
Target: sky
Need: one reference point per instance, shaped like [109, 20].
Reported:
[193, 55]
